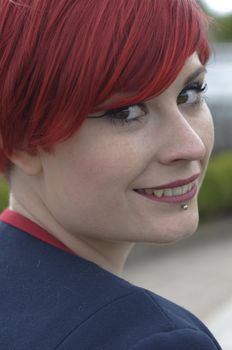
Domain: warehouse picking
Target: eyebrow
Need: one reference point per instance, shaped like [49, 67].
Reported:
[195, 74]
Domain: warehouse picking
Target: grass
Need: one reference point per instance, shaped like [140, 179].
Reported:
[3, 194]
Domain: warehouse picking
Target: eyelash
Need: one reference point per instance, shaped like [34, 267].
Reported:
[198, 87]
[111, 114]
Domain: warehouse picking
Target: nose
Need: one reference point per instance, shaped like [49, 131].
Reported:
[181, 141]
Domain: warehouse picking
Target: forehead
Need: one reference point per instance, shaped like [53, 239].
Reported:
[192, 67]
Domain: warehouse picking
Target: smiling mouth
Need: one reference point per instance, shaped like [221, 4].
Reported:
[167, 192]
[172, 195]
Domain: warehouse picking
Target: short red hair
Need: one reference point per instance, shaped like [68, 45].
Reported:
[60, 59]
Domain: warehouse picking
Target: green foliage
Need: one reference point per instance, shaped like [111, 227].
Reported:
[220, 26]
[216, 193]
[223, 29]
[3, 194]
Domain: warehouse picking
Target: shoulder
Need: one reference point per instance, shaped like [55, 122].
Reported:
[88, 306]
[141, 320]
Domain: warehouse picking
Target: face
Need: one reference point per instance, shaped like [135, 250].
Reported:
[125, 176]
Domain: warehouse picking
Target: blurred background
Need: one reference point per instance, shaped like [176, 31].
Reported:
[197, 273]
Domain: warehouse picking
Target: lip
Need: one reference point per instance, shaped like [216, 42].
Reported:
[176, 183]
[173, 199]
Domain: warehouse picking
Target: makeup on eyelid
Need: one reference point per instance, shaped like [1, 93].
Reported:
[197, 88]
[134, 113]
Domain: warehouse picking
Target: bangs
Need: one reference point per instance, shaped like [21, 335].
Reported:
[130, 48]
[155, 40]
[60, 60]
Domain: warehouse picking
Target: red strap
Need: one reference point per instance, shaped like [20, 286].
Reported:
[21, 222]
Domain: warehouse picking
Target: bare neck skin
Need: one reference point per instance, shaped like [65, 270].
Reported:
[26, 200]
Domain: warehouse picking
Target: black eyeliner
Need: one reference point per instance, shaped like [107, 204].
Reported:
[198, 86]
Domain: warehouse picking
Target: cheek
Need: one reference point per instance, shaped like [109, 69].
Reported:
[100, 169]
[114, 166]
[208, 131]
[97, 158]
[205, 129]
[92, 190]
[106, 172]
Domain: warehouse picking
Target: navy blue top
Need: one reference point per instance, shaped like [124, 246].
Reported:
[52, 299]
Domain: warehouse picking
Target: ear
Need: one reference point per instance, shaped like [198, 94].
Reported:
[28, 162]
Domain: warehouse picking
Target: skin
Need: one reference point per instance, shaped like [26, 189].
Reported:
[83, 194]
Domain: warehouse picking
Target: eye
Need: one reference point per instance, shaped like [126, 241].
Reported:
[192, 94]
[126, 114]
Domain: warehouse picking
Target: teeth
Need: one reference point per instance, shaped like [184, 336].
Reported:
[167, 192]
[178, 191]
[158, 193]
[185, 189]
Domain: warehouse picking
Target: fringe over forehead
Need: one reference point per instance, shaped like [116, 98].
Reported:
[60, 59]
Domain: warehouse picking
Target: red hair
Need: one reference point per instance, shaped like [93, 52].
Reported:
[61, 59]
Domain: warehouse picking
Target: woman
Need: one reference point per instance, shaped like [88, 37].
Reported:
[105, 139]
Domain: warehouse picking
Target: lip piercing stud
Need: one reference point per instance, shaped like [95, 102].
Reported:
[184, 206]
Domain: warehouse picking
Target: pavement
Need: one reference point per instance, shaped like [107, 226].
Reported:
[195, 273]
[220, 323]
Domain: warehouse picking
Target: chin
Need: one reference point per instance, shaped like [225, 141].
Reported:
[182, 228]
[176, 227]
